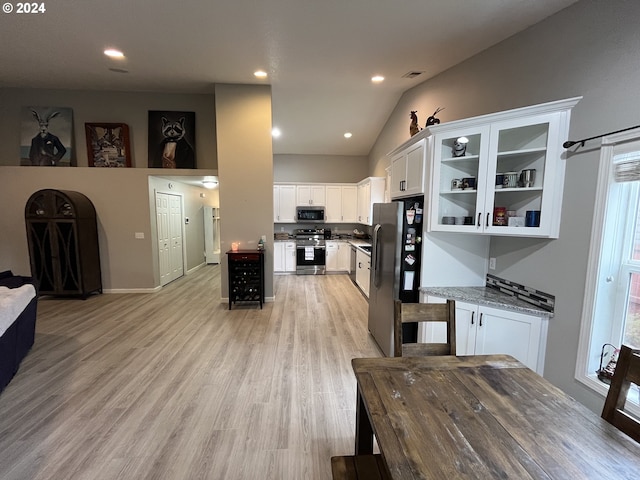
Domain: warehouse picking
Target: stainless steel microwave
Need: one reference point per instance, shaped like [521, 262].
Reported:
[310, 214]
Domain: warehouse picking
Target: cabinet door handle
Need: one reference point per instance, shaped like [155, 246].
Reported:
[472, 315]
[481, 318]
[487, 219]
[479, 216]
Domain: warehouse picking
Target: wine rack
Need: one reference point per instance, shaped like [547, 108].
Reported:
[246, 276]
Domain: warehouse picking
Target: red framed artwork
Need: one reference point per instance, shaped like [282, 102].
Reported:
[108, 144]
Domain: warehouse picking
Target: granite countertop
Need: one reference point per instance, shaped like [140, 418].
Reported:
[486, 296]
[359, 242]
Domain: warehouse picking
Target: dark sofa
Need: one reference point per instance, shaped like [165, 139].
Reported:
[18, 339]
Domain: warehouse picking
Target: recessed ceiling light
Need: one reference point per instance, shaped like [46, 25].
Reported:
[377, 79]
[347, 135]
[260, 74]
[113, 53]
[275, 132]
[209, 184]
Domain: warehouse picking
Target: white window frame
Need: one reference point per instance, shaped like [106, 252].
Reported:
[607, 201]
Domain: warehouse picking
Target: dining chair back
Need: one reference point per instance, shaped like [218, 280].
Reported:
[627, 372]
[424, 312]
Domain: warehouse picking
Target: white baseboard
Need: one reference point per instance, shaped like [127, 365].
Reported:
[197, 267]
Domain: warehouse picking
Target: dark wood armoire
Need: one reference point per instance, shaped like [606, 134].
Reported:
[62, 233]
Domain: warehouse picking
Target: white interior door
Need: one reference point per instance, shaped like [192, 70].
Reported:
[162, 224]
[175, 232]
[170, 244]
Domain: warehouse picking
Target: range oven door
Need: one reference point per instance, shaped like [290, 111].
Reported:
[310, 259]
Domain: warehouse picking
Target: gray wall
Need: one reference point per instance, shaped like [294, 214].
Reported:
[589, 49]
[246, 167]
[123, 197]
[320, 168]
[124, 203]
[115, 107]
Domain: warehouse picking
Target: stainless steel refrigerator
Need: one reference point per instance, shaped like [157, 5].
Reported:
[395, 266]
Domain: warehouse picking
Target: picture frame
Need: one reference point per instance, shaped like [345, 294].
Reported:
[108, 145]
[46, 137]
[172, 139]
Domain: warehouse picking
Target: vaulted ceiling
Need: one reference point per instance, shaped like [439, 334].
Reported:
[320, 56]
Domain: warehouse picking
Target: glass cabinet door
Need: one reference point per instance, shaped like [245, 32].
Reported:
[518, 157]
[459, 179]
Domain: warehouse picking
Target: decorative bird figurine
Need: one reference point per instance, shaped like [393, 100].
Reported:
[414, 128]
[432, 120]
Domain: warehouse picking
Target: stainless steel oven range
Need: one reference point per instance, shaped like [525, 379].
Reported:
[311, 251]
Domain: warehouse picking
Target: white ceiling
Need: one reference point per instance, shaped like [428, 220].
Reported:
[320, 55]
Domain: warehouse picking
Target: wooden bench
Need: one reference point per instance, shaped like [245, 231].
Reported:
[359, 467]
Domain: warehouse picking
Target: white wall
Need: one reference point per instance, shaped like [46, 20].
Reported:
[588, 49]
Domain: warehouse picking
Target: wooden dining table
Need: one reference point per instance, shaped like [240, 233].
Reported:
[481, 417]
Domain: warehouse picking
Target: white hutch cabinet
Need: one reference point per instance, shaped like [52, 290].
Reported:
[528, 138]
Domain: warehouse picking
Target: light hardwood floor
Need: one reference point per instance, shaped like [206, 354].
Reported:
[172, 385]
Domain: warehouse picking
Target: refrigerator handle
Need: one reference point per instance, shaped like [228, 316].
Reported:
[376, 256]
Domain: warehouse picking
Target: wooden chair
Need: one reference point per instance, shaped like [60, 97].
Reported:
[424, 312]
[627, 372]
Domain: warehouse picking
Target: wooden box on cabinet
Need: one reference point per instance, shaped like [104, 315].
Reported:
[62, 234]
[246, 276]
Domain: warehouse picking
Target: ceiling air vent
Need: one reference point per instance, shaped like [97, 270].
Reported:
[412, 74]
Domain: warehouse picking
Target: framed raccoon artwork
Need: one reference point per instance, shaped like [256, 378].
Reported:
[45, 137]
[172, 139]
[108, 144]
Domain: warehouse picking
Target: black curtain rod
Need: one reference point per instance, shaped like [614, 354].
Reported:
[571, 143]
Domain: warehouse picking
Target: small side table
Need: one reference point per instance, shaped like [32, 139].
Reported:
[246, 276]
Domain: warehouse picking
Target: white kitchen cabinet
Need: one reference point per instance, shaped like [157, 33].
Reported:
[284, 203]
[332, 256]
[363, 267]
[311, 195]
[512, 141]
[344, 256]
[278, 256]
[338, 256]
[370, 191]
[290, 257]
[408, 170]
[284, 257]
[483, 330]
[341, 204]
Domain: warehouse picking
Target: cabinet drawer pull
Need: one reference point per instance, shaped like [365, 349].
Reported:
[488, 219]
[479, 216]
[481, 319]
[472, 315]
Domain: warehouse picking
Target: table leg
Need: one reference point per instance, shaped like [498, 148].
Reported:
[364, 431]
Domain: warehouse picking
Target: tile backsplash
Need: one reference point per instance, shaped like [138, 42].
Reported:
[535, 297]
